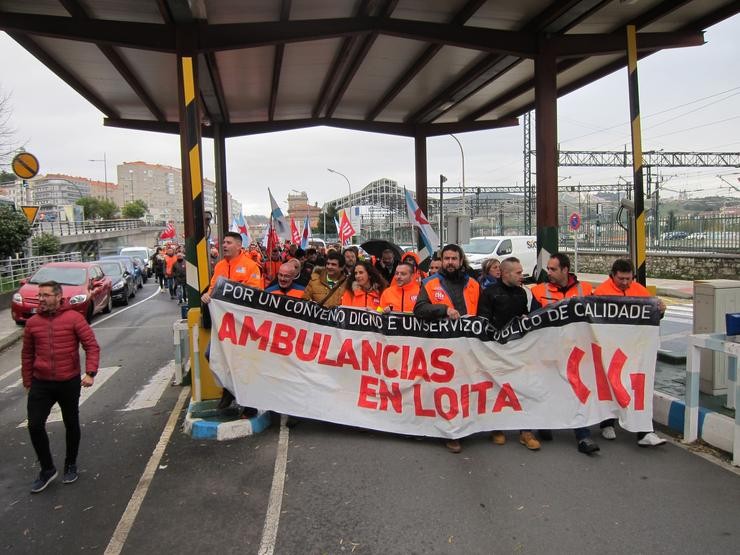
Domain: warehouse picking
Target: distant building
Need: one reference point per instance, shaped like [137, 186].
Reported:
[298, 209]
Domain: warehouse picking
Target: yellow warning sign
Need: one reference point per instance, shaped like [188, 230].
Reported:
[30, 212]
[25, 165]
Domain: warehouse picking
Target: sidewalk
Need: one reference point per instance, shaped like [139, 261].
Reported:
[10, 332]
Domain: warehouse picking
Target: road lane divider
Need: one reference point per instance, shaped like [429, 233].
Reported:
[274, 504]
[149, 395]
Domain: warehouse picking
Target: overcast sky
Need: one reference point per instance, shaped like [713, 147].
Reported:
[690, 101]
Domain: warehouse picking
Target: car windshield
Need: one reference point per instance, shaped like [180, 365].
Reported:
[63, 276]
[111, 268]
[480, 246]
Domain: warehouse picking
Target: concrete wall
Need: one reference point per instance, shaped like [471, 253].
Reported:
[666, 266]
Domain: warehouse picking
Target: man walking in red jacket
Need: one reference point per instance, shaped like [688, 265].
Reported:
[51, 374]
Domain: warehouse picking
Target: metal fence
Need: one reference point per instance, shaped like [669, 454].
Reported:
[13, 270]
[86, 226]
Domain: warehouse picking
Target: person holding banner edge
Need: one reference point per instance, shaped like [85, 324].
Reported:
[562, 284]
[450, 293]
[621, 283]
[499, 304]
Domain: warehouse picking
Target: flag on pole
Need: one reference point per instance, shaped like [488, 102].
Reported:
[419, 220]
[239, 224]
[306, 234]
[266, 236]
[346, 231]
[281, 226]
[295, 235]
[169, 231]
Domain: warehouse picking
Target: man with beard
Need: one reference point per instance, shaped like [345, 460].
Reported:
[450, 293]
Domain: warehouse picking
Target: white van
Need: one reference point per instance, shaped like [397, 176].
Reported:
[523, 247]
[144, 253]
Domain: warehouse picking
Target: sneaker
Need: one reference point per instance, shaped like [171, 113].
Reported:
[45, 478]
[529, 441]
[587, 446]
[498, 438]
[607, 432]
[453, 446]
[70, 474]
[249, 412]
[650, 439]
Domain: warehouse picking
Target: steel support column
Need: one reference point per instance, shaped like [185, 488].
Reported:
[196, 244]
[420, 166]
[222, 193]
[637, 231]
[546, 131]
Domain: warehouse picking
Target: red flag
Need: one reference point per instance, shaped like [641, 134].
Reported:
[169, 231]
[346, 231]
[295, 235]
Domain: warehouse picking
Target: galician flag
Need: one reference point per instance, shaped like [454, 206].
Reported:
[239, 224]
[419, 220]
[306, 234]
[295, 236]
[281, 226]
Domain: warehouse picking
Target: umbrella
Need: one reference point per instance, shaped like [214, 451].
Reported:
[375, 247]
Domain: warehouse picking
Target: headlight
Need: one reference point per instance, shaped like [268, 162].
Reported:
[77, 299]
[118, 285]
[17, 298]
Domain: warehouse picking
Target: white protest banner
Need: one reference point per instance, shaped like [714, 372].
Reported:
[569, 365]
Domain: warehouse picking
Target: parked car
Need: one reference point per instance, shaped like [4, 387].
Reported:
[145, 253]
[697, 236]
[130, 266]
[143, 268]
[524, 247]
[122, 281]
[674, 235]
[85, 288]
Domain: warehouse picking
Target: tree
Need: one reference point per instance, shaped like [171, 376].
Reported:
[46, 243]
[107, 209]
[14, 231]
[331, 228]
[90, 205]
[135, 209]
[7, 133]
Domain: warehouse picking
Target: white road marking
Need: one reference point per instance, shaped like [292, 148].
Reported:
[677, 320]
[10, 372]
[680, 308]
[118, 540]
[15, 384]
[672, 336]
[104, 374]
[272, 518]
[149, 395]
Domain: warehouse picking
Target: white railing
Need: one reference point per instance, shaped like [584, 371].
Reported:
[86, 227]
[13, 270]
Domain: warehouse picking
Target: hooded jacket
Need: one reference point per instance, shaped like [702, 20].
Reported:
[360, 298]
[51, 346]
[400, 298]
[318, 288]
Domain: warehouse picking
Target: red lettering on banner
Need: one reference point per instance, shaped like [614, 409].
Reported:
[300, 347]
[367, 392]
[574, 375]
[481, 388]
[615, 378]
[347, 355]
[447, 370]
[371, 356]
[507, 398]
[249, 332]
[419, 370]
[602, 384]
[282, 340]
[638, 387]
[419, 410]
[404, 370]
[465, 400]
[387, 371]
[393, 395]
[228, 328]
[324, 349]
[451, 395]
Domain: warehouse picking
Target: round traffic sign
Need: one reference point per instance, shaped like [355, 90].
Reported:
[25, 165]
[574, 221]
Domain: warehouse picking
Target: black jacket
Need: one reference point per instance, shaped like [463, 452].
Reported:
[500, 303]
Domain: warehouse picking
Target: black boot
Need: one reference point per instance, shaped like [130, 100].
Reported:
[226, 399]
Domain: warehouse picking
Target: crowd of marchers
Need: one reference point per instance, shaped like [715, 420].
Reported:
[347, 276]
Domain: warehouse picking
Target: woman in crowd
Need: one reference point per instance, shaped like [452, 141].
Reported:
[364, 287]
[490, 273]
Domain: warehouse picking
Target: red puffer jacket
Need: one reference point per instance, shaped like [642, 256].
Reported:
[51, 347]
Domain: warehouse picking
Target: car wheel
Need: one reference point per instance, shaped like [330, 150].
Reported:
[108, 305]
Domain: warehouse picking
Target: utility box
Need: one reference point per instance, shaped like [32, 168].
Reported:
[458, 229]
[713, 298]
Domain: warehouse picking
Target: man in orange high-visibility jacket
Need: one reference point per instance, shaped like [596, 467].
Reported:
[562, 284]
[286, 285]
[621, 283]
[450, 293]
[401, 295]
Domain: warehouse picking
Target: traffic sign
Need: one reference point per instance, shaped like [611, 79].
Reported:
[30, 212]
[574, 221]
[25, 165]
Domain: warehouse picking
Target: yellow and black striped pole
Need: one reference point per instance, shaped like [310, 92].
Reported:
[196, 241]
[637, 233]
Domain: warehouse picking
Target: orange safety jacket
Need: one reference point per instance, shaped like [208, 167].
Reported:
[360, 298]
[434, 286]
[294, 291]
[400, 298]
[547, 293]
[610, 289]
[241, 268]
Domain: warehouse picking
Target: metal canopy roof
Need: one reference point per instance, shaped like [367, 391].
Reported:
[407, 67]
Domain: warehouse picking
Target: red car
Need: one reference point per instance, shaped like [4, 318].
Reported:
[84, 287]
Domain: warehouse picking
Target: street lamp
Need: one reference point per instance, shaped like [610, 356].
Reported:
[131, 179]
[462, 154]
[349, 187]
[105, 171]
